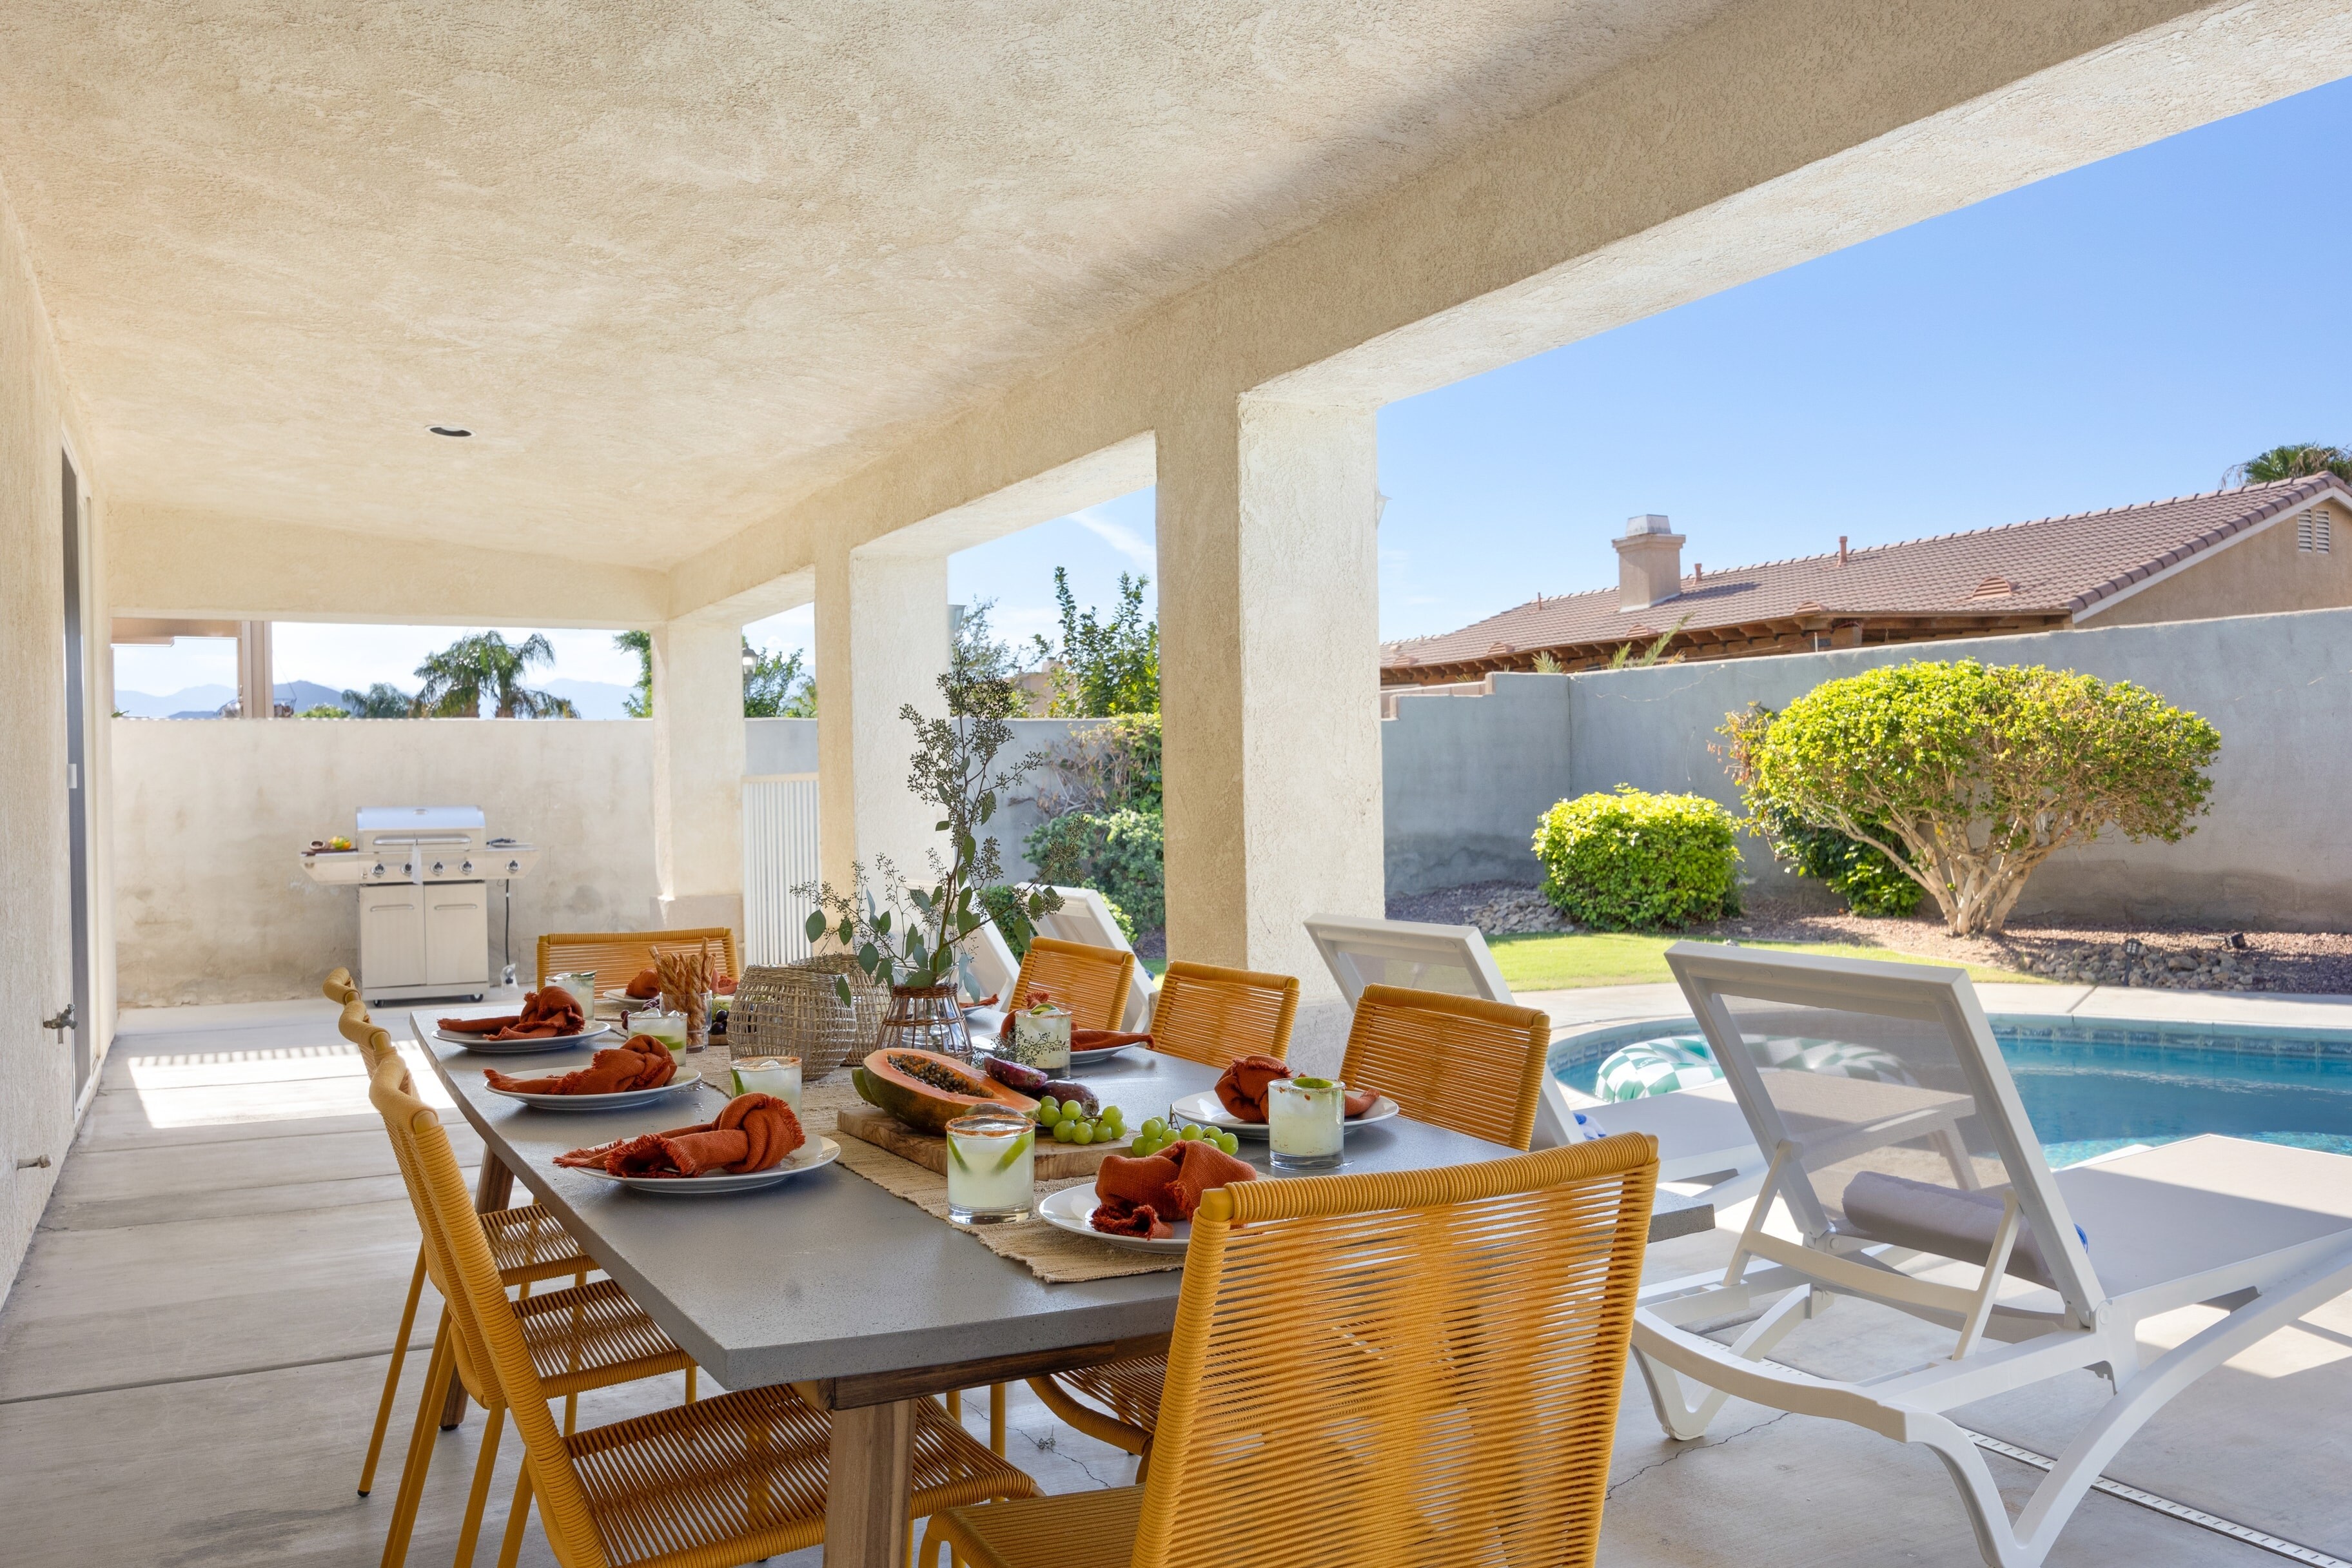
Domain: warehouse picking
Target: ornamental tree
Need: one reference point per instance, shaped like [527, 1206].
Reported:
[1968, 776]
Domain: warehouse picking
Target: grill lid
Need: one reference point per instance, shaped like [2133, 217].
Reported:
[420, 819]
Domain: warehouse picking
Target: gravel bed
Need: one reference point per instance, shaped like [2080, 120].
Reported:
[2172, 956]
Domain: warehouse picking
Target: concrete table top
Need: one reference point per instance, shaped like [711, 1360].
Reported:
[827, 1276]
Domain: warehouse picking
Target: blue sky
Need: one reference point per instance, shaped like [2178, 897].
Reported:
[2119, 333]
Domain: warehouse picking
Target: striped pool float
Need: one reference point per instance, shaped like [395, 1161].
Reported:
[1682, 1061]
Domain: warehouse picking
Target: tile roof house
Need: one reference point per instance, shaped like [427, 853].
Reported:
[2254, 550]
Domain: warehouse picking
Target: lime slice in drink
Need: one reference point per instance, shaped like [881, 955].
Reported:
[1020, 1146]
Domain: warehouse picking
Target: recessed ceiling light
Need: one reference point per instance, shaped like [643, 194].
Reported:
[448, 430]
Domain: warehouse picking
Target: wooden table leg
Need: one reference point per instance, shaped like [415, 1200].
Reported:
[871, 1486]
[493, 1189]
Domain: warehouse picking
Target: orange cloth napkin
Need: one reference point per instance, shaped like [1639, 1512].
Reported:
[546, 1014]
[1104, 1039]
[755, 1131]
[1141, 1196]
[640, 1062]
[1247, 1082]
[646, 985]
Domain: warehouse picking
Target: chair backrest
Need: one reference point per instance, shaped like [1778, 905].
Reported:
[619, 956]
[1211, 1016]
[985, 964]
[477, 1302]
[1091, 981]
[393, 1093]
[1850, 1069]
[1085, 917]
[1451, 959]
[1475, 1066]
[1415, 1366]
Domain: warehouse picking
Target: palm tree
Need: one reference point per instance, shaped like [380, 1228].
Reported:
[379, 701]
[457, 679]
[2295, 460]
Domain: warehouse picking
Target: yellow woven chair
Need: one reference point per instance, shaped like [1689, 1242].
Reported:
[1091, 981]
[1459, 1062]
[619, 956]
[1444, 1059]
[528, 1242]
[590, 1336]
[1413, 1367]
[1205, 1014]
[1211, 1016]
[708, 1485]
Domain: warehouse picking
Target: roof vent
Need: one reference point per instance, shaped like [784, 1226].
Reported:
[1649, 563]
[1993, 588]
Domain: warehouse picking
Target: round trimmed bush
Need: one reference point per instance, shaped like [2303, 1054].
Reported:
[1638, 861]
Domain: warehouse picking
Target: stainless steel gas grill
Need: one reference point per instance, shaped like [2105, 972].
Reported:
[423, 873]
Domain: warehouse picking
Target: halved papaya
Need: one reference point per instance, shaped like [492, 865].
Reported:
[927, 1090]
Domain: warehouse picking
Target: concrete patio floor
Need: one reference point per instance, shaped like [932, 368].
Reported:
[190, 1357]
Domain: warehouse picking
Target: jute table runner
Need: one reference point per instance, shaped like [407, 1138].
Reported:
[1052, 1254]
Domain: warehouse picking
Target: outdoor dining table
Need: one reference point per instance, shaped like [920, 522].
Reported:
[858, 1298]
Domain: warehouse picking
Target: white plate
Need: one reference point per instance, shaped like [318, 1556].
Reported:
[621, 1101]
[481, 1045]
[1070, 1209]
[1203, 1107]
[806, 1158]
[1097, 1057]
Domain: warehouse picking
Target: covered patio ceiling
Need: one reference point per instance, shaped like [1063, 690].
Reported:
[676, 266]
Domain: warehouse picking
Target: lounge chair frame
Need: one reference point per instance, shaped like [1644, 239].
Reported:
[1999, 1346]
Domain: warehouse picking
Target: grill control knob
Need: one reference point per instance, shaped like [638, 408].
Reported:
[379, 869]
[436, 868]
[513, 866]
[467, 870]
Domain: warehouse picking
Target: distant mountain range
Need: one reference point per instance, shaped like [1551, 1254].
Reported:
[594, 699]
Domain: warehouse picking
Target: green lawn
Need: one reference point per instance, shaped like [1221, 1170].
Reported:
[1626, 958]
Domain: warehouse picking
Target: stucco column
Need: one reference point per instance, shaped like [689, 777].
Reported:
[1269, 685]
[698, 774]
[881, 642]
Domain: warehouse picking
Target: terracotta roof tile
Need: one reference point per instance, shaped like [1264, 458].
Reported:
[2051, 567]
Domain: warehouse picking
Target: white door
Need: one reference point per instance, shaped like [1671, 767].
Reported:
[391, 937]
[456, 935]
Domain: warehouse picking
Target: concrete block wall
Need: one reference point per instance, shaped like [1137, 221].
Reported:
[1464, 777]
[1467, 776]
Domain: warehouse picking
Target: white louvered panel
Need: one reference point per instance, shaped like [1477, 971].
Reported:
[780, 853]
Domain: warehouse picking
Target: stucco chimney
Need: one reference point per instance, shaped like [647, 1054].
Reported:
[1649, 563]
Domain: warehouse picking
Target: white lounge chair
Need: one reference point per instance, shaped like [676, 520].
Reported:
[1700, 1133]
[1931, 1196]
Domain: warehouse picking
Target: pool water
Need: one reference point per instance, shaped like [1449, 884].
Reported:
[2090, 1089]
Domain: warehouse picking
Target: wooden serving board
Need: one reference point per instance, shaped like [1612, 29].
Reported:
[929, 1150]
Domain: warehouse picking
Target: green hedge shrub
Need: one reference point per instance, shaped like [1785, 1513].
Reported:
[1117, 853]
[1637, 861]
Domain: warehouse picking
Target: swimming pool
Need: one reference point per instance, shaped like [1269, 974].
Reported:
[2091, 1087]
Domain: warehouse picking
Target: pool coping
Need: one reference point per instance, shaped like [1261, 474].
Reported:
[2324, 1022]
